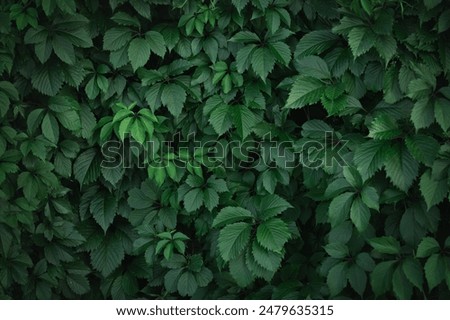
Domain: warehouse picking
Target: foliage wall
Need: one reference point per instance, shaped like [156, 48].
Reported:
[271, 149]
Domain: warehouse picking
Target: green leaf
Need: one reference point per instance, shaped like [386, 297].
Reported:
[243, 119]
[360, 214]
[187, 284]
[433, 191]
[442, 113]
[430, 4]
[337, 278]
[400, 285]
[103, 210]
[50, 128]
[233, 239]
[337, 250]
[381, 277]
[273, 234]
[281, 52]
[370, 197]
[315, 42]
[47, 79]
[424, 148]
[422, 114]
[427, 247]
[173, 97]
[193, 200]
[401, 167]
[262, 62]
[305, 91]
[108, 255]
[369, 158]
[339, 208]
[116, 38]
[314, 66]
[361, 40]
[156, 42]
[240, 272]
[267, 259]
[384, 128]
[357, 279]
[138, 52]
[64, 49]
[85, 167]
[413, 272]
[272, 205]
[229, 215]
[220, 119]
[388, 245]
[435, 270]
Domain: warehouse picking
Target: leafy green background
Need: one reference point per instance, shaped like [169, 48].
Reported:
[76, 74]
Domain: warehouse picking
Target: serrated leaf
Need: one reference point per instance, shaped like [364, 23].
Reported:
[243, 119]
[339, 208]
[337, 278]
[262, 62]
[233, 239]
[220, 119]
[173, 97]
[138, 52]
[267, 259]
[386, 244]
[427, 247]
[240, 272]
[314, 66]
[369, 158]
[116, 38]
[193, 200]
[361, 40]
[381, 277]
[315, 42]
[47, 79]
[108, 255]
[435, 270]
[401, 167]
[187, 284]
[360, 214]
[229, 215]
[103, 210]
[424, 148]
[273, 234]
[305, 91]
[433, 191]
[384, 127]
[271, 206]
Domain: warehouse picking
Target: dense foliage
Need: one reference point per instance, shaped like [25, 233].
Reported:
[271, 149]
